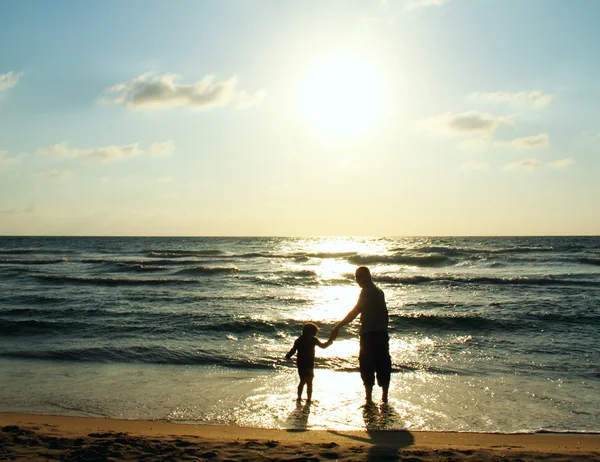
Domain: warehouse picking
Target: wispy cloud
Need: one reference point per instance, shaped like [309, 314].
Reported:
[479, 129]
[534, 164]
[57, 174]
[525, 164]
[98, 155]
[423, 3]
[164, 149]
[165, 179]
[593, 134]
[106, 153]
[6, 160]
[537, 97]
[527, 142]
[29, 208]
[472, 124]
[149, 91]
[9, 80]
[562, 163]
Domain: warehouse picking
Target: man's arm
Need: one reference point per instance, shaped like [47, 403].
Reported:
[324, 345]
[351, 316]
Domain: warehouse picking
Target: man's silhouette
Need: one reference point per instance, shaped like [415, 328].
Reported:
[374, 357]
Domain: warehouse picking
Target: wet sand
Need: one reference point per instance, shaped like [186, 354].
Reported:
[43, 437]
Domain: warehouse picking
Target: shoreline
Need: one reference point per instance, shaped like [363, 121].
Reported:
[39, 437]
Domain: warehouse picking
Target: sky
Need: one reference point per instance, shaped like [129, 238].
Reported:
[271, 118]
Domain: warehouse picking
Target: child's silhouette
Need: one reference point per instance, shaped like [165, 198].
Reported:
[305, 346]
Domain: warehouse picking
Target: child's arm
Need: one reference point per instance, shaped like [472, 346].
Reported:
[291, 352]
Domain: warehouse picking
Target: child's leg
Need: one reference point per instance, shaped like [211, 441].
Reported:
[309, 381]
[301, 386]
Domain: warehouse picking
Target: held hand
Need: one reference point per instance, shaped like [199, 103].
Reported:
[334, 334]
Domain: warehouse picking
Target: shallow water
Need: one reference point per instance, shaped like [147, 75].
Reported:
[487, 334]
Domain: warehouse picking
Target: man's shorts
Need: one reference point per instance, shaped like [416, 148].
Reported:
[374, 359]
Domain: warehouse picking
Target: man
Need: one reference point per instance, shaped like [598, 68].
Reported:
[374, 357]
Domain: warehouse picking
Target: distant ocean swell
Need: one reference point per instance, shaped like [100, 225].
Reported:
[121, 324]
[304, 277]
[402, 259]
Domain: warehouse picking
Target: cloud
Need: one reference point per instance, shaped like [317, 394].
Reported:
[537, 97]
[156, 92]
[423, 3]
[595, 135]
[528, 142]
[526, 164]
[562, 163]
[107, 153]
[165, 179]
[57, 174]
[164, 149]
[469, 124]
[533, 164]
[29, 208]
[9, 80]
[5, 160]
[98, 155]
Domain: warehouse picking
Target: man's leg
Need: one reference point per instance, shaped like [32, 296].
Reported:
[384, 366]
[367, 366]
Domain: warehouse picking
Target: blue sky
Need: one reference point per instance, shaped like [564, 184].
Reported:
[407, 117]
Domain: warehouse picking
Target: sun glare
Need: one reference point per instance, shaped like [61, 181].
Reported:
[342, 96]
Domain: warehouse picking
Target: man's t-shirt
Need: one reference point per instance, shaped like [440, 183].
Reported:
[373, 310]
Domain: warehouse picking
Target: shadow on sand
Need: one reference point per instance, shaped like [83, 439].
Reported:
[385, 442]
[298, 418]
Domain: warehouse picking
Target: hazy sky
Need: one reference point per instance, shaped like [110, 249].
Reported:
[397, 117]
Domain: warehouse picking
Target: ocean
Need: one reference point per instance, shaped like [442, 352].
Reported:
[490, 334]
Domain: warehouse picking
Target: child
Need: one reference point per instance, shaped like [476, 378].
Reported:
[305, 346]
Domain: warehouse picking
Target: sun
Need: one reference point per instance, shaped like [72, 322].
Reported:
[342, 96]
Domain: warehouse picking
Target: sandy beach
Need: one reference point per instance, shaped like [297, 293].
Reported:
[45, 437]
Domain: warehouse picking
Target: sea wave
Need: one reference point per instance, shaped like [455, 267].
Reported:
[471, 323]
[140, 268]
[424, 260]
[142, 354]
[109, 281]
[589, 261]
[30, 327]
[522, 280]
[133, 262]
[19, 261]
[120, 324]
[37, 251]
[207, 270]
[183, 253]
[480, 324]
[457, 251]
